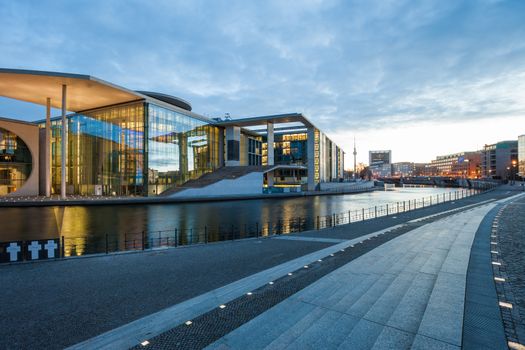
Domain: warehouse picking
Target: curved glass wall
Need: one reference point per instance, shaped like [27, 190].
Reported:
[15, 162]
[180, 148]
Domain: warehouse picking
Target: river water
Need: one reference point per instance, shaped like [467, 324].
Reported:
[125, 223]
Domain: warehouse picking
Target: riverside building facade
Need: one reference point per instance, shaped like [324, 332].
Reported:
[499, 160]
[521, 156]
[114, 141]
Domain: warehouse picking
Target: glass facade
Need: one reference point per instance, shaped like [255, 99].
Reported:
[105, 152]
[292, 149]
[180, 148]
[15, 162]
[132, 149]
[254, 151]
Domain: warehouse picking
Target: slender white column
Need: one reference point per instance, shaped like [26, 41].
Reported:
[270, 138]
[64, 143]
[47, 150]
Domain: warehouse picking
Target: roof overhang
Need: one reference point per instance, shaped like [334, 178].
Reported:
[84, 92]
[263, 120]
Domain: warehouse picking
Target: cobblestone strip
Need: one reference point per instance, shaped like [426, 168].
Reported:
[508, 263]
[211, 326]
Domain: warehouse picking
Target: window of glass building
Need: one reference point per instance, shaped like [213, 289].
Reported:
[105, 152]
[180, 148]
[15, 162]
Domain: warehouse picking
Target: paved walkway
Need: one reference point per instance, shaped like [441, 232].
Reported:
[134, 297]
[407, 293]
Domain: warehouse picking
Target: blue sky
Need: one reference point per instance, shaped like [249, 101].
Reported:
[422, 78]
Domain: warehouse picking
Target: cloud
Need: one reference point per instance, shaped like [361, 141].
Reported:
[351, 66]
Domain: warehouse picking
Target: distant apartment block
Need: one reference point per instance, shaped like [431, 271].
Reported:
[462, 164]
[497, 160]
[405, 169]
[408, 169]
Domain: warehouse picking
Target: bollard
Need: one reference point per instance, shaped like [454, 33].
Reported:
[375, 212]
[317, 222]
[334, 223]
[349, 217]
[404, 208]
[430, 200]
[387, 209]
[363, 214]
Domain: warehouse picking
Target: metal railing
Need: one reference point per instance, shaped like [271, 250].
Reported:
[109, 243]
[207, 234]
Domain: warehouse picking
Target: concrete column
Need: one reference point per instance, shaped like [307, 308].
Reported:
[270, 179]
[64, 143]
[47, 150]
[310, 156]
[233, 146]
[270, 140]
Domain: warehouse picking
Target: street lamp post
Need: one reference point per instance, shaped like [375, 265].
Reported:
[514, 171]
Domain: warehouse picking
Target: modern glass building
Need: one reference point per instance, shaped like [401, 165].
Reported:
[113, 141]
[138, 148]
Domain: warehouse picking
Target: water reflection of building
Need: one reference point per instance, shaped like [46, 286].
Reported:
[123, 142]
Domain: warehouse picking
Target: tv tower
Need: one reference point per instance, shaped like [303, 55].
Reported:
[355, 164]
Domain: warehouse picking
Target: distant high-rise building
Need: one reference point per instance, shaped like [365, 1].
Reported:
[496, 160]
[521, 155]
[379, 157]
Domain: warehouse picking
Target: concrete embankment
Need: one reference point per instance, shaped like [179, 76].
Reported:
[82, 200]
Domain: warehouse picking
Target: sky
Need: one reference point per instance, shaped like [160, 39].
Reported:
[421, 78]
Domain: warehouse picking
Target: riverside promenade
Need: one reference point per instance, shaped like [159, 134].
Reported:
[403, 281]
